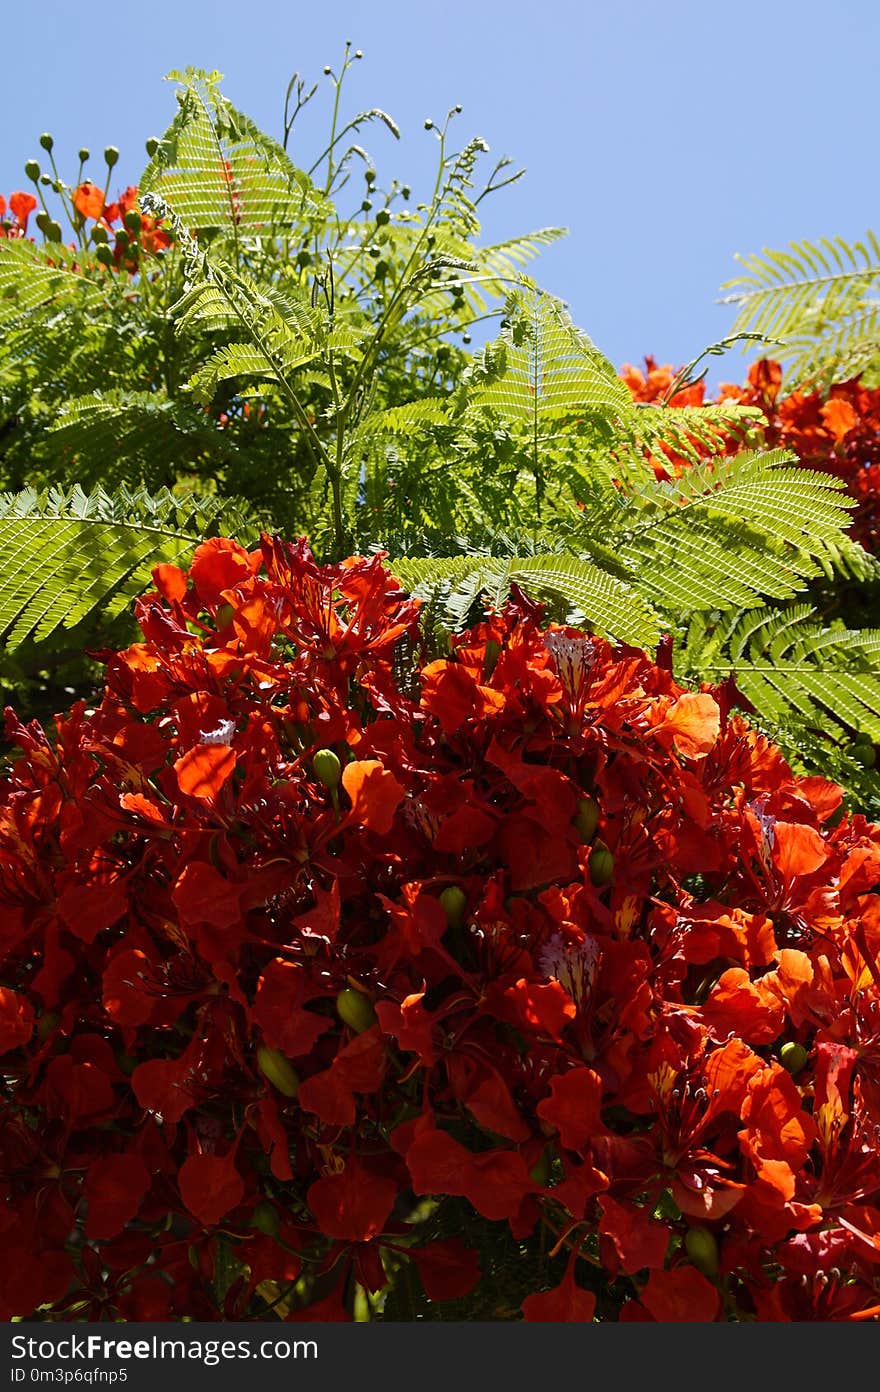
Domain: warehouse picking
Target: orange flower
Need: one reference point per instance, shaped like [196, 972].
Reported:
[88, 200]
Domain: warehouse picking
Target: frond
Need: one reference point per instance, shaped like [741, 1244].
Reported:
[131, 436]
[689, 431]
[32, 281]
[790, 664]
[731, 533]
[588, 594]
[819, 298]
[217, 170]
[64, 554]
[543, 367]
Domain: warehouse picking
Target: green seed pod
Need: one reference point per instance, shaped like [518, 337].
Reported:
[586, 819]
[54, 231]
[793, 1056]
[601, 864]
[327, 768]
[278, 1070]
[32, 170]
[454, 902]
[46, 141]
[99, 233]
[265, 1218]
[355, 1009]
[83, 155]
[701, 1246]
[132, 221]
[111, 156]
[383, 217]
[104, 254]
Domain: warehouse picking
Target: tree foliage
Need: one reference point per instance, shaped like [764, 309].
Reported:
[242, 343]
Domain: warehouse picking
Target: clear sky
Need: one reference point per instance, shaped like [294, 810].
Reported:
[665, 136]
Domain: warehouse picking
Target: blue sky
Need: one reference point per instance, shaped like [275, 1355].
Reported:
[666, 137]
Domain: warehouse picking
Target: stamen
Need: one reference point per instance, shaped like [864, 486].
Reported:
[573, 964]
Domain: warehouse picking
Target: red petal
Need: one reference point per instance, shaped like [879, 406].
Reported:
[374, 792]
[115, 1186]
[210, 1186]
[203, 895]
[681, 1296]
[449, 1269]
[353, 1205]
[633, 1239]
[88, 200]
[566, 1303]
[203, 770]
[574, 1107]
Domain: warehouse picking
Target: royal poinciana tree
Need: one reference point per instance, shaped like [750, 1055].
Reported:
[340, 977]
[469, 912]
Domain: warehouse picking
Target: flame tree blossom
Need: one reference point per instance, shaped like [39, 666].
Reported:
[307, 934]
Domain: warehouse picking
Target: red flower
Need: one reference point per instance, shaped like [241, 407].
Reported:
[567, 1303]
[352, 1205]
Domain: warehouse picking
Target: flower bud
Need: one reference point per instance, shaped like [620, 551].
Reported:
[265, 1218]
[454, 902]
[586, 819]
[701, 1246]
[83, 155]
[104, 254]
[601, 864]
[793, 1056]
[152, 146]
[327, 768]
[46, 141]
[111, 156]
[355, 1009]
[278, 1070]
[32, 170]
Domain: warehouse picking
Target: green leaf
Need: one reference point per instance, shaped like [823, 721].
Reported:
[65, 554]
[217, 170]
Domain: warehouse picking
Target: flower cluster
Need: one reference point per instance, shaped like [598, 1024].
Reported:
[837, 430]
[307, 939]
[137, 231]
[14, 216]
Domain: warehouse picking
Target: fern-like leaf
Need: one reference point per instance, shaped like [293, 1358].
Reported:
[218, 171]
[64, 554]
[790, 664]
